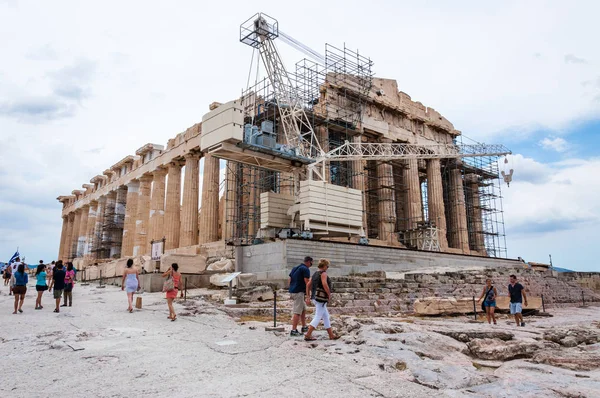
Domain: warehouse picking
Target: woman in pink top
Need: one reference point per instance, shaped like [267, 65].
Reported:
[69, 282]
[172, 294]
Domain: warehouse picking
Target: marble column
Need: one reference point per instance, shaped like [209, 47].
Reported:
[97, 248]
[157, 205]
[141, 246]
[358, 182]
[89, 230]
[133, 188]
[387, 202]
[474, 215]
[189, 213]
[75, 234]
[209, 217]
[119, 219]
[173, 206]
[414, 200]
[435, 200]
[458, 234]
[63, 237]
[400, 195]
[69, 239]
[109, 223]
[229, 211]
[81, 239]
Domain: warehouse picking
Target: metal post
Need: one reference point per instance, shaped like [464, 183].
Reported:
[185, 290]
[100, 282]
[275, 309]
[543, 305]
[474, 308]
[582, 298]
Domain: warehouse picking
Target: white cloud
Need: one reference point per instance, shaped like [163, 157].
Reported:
[557, 144]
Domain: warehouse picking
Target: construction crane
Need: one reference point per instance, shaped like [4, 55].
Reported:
[259, 32]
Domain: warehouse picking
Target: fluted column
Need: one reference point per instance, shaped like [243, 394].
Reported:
[81, 239]
[97, 248]
[63, 237]
[189, 214]
[387, 201]
[435, 200]
[142, 242]
[90, 242]
[157, 205]
[173, 206]
[108, 223]
[119, 219]
[69, 239]
[414, 200]
[209, 217]
[75, 233]
[231, 187]
[133, 188]
[474, 215]
[458, 235]
[400, 194]
[358, 181]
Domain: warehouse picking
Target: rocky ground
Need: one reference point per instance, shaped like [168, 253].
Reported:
[97, 348]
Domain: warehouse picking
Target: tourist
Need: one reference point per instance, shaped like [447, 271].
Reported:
[299, 278]
[7, 275]
[69, 282]
[172, 293]
[322, 297]
[20, 287]
[517, 295]
[490, 293]
[58, 283]
[131, 282]
[41, 285]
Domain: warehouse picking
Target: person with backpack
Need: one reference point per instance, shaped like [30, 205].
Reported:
[299, 278]
[490, 293]
[322, 297]
[58, 283]
[69, 282]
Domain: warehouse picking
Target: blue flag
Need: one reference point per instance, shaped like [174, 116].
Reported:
[14, 257]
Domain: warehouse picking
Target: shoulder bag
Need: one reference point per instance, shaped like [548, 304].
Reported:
[169, 285]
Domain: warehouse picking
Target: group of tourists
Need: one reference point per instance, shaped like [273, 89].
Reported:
[61, 278]
[131, 284]
[305, 290]
[516, 291]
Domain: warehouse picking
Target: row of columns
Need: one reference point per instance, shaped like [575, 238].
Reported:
[125, 221]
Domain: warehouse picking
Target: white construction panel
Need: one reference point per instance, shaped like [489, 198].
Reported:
[323, 204]
[223, 124]
[273, 210]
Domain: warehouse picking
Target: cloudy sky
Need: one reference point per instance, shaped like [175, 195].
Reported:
[83, 84]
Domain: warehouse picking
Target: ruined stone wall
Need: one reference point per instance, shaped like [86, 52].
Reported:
[355, 294]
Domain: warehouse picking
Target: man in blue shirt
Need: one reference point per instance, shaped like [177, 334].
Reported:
[517, 296]
[299, 277]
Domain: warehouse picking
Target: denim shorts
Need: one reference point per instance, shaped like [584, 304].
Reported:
[489, 303]
[515, 308]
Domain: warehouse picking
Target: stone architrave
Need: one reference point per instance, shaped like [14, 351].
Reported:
[387, 202]
[63, 236]
[435, 200]
[89, 231]
[97, 247]
[68, 240]
[458, 234]
[75, 234]
[119, 219]
[189, 215]
[108, 223]
[81, 239]
[209, 217]
[414, 200]
[173, 206]
[142, 242]
[157, 205]
[133, 188]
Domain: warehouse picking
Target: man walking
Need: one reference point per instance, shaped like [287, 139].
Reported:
[299, 277]
[58, 283]
[517, 296]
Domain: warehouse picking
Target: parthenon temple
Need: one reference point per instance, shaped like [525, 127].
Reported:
[256, 191]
